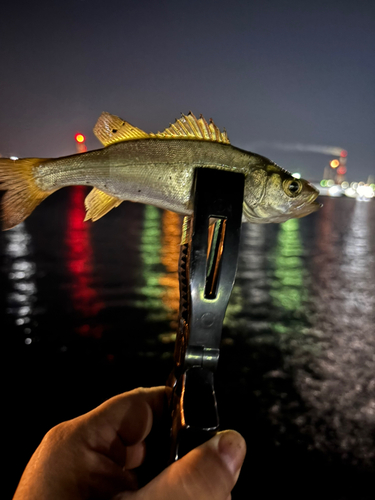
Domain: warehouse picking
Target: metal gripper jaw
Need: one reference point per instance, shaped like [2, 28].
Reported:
[207, 270]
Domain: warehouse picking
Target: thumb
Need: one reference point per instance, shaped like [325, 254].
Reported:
[209, 471]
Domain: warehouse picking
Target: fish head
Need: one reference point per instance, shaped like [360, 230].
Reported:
[274, 195]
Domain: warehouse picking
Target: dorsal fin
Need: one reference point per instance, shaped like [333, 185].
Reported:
[189, 127]
[98, 203]
[110, 129]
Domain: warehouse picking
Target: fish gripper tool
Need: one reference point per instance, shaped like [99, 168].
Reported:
[207, 270]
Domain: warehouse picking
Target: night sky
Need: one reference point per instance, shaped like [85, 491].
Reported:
[286, 72]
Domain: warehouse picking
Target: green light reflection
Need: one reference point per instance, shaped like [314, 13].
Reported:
[288, 289]
[151, 291]
[235, 307]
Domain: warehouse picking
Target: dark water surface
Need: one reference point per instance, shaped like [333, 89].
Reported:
[89, 310]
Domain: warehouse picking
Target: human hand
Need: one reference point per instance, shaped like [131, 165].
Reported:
[98, 456]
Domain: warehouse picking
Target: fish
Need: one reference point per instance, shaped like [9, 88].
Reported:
[156, 169]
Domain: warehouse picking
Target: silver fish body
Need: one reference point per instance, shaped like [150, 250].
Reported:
[152, 171]
[160, 172]
[155, 169]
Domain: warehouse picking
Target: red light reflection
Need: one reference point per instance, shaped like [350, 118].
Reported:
[80, 263]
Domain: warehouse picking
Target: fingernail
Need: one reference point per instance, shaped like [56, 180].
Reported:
[232, 449]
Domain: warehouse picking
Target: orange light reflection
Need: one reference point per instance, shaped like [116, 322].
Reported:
[170, 252]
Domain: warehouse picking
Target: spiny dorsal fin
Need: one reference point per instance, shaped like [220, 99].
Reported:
[98, 203]
[110, 129]
[189, 127]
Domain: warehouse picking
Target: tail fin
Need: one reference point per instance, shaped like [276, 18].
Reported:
[22, 194]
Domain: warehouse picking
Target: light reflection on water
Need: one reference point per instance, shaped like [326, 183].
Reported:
[298, 338]
[337, 380]
[170, 251]
[158, 286]
[289, 280]
[149, 288]
[21, 274]
[79, 260]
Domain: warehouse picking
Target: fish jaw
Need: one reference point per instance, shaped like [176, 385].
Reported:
[249, 215]
[309, 204]
[276, 207]
[308, 209]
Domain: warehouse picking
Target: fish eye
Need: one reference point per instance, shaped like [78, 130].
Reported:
[292, 187]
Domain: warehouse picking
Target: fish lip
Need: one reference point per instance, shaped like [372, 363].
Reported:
[311, 201]
[307, 203]
[308, 209]
[317, 205]
[308, 206]
[313, 196]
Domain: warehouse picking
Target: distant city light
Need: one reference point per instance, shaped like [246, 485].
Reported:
[14, 158]
[296, 175]
[79, 138]
[335, 191]
[365, 191]
[335, 185]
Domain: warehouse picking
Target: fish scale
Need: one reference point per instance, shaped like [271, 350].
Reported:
[156, 169]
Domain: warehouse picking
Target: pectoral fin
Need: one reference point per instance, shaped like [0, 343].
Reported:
[98, 203]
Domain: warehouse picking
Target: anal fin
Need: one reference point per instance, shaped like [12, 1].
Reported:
[98, 203]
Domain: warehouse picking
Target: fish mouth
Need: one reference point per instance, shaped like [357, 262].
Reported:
[313, 203]
[313, 196]
[317, 205]
[310, 202]
[308, 208]
[308, 205]
[314, 206]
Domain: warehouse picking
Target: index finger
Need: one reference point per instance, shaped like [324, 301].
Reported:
[130, 415]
